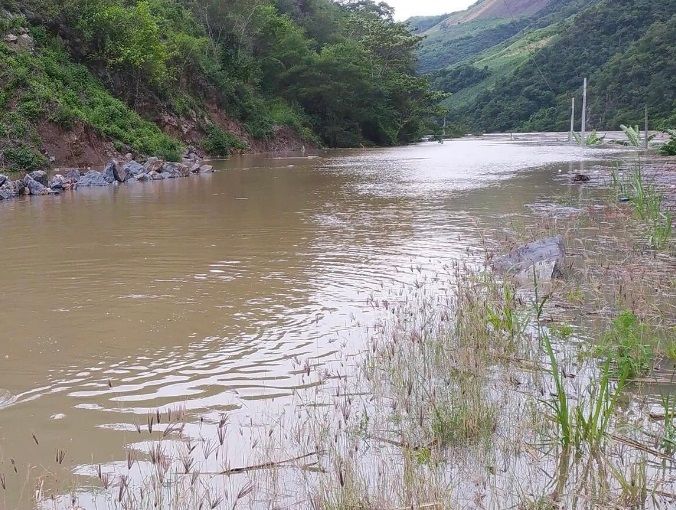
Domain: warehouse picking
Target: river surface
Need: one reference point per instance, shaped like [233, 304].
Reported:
[205, 293]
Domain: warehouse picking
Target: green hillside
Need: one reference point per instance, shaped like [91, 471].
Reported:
[525, 82]
[83, 79]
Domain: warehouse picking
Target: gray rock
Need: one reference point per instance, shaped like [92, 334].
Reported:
[142, 177]
[3, 179]
[20, 187]
[153, 165]
[134, 169]
[174, 170]
[109, 172]
[73, 175]
[26, 43]
[191, 154]
[58, 182]
[93, 178]
[206, 169]
[7, 190]
[34, 187]
[23, 42]
[115, 171]
[155, 176]
[40, 176]
[546, 257]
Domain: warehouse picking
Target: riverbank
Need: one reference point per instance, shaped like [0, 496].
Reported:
[115, 172]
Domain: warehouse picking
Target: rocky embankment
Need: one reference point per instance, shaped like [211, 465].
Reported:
[114, 172]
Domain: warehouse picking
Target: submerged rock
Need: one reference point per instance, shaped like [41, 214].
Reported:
[205, 169]
[581, 178]
[93, 178]
[545, 257]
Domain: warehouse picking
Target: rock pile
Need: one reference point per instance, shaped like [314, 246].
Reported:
[115, 172]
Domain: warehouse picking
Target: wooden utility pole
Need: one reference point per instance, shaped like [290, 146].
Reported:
[584, 113]
[571, 136]
[646, 127]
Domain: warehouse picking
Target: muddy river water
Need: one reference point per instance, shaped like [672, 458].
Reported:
[203, 294]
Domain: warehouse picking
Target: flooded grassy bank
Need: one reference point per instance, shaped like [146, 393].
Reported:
[386, 367]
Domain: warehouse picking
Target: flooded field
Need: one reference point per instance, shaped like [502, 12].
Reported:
[227, 294]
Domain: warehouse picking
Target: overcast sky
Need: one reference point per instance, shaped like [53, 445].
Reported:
[407, 8]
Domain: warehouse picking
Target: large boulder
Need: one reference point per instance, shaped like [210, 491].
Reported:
[545, 258]
[142, 177]
[20, 187]
[115, 171]
[93, 178]
[40, 176]
[133, 169]
[34, 187]
[153, 165]
[108, 172]
[73, 175]
[58, 182]
[21, 42]
[3, 179]
[206, 169]
[7, 189]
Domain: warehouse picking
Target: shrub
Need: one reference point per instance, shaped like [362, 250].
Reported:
[669, 148]
[219, 143]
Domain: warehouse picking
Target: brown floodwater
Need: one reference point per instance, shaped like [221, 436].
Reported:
[206, 293]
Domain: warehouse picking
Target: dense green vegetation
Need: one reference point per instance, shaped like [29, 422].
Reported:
[151, 76]
[525, 82]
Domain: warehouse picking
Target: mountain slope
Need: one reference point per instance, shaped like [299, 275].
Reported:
[82, 79]
[452, 38]
[525, 81]
[536, 96]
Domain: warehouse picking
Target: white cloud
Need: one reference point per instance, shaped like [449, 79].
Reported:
[407, 8]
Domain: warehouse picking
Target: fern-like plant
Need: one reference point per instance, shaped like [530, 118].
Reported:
[669, 148]
[633, 134]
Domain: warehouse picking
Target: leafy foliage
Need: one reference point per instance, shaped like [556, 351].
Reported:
[669, 148]
[343, 71]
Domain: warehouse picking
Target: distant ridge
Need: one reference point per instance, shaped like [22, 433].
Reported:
[514, 64]
[482, 10]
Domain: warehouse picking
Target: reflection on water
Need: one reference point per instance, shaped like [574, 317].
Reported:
[203, 294]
